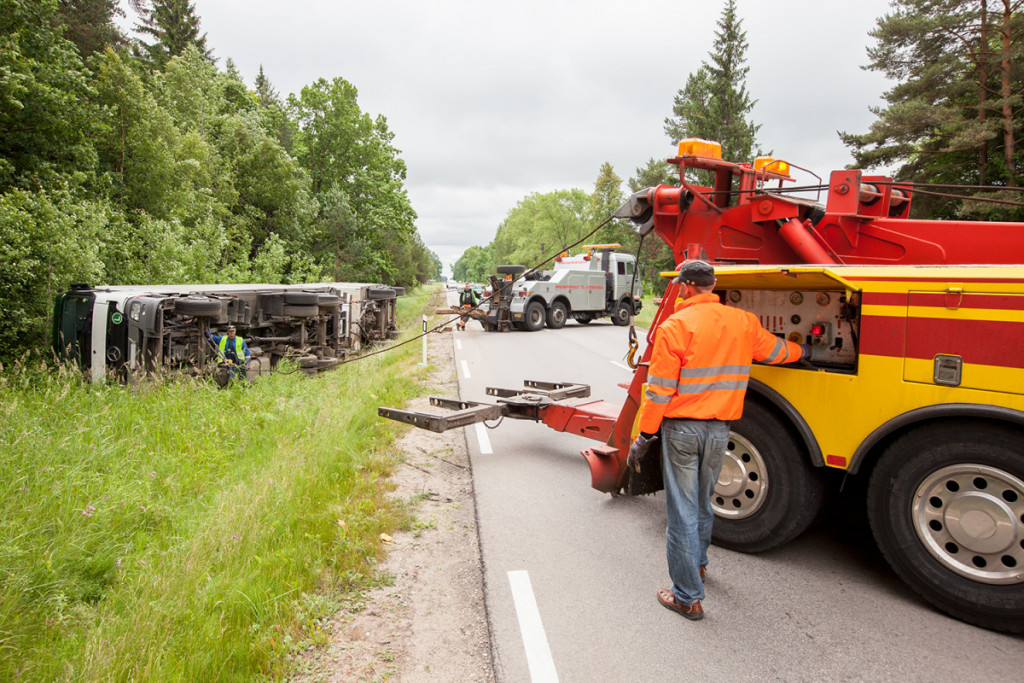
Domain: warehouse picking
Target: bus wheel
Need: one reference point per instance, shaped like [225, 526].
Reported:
[946, 504]
[768, 492]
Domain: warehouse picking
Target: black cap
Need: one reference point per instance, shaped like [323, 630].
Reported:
[696, 273]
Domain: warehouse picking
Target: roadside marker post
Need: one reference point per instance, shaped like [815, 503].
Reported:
[424, 363]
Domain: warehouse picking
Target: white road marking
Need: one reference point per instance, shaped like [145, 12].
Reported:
[465, 369]
[621, 365]
[538, 654]
[458, 344]
[483, 439]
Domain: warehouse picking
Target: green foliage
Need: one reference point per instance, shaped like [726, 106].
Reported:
[714, 104]
[955, 112]
[46, 241]
[168, 169]
[359, 177]
[90, 24]
[540, 226]
[45, 122]
[178, 531]
[475, 264]
[174, 26]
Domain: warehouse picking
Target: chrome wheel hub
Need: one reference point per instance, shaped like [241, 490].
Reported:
[742, 485]
[971, 519]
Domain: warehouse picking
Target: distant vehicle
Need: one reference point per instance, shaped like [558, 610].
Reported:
[591, 285]
[132, 331]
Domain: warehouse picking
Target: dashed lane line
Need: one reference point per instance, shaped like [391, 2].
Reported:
[535, 641]
[483, 439]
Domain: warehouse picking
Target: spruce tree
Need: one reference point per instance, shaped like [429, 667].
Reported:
[174, 25]
[714, 104]
[89, 24]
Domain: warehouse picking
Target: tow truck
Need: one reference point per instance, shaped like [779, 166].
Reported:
[594, 284]
[584, 287]
[915, 384]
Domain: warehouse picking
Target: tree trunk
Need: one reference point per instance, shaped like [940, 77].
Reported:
[983, 63]
[1004, 68]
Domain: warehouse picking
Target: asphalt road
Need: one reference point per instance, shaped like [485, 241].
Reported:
[571, 574]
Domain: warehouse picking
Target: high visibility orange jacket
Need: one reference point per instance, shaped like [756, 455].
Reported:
[701, 362]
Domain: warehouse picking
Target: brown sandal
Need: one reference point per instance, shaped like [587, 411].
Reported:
[693, 612]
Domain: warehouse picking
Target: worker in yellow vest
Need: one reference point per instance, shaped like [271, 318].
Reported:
[232, 351]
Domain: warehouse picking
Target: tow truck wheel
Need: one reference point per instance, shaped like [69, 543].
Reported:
[946, 505]
[534, 316]
[620, 316]
[557, 315]
[768, 491]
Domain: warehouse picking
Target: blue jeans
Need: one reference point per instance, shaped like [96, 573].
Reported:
[692, 453]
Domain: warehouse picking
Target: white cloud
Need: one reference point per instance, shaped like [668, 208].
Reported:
[492, 101]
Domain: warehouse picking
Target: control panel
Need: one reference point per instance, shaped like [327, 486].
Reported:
[827, 320]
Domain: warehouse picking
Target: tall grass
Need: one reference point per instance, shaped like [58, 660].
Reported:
[181, 532]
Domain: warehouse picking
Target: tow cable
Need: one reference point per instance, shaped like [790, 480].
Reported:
[509, 283]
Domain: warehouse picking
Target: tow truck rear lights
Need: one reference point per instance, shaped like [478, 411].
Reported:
[695, 147]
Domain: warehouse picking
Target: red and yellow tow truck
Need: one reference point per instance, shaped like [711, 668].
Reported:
[915, 383]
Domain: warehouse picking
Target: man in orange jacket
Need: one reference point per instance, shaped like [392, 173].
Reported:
[695, 386]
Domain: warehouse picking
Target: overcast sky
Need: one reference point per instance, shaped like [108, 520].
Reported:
[492, 101]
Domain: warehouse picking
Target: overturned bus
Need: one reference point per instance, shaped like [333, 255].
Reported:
[132, 331]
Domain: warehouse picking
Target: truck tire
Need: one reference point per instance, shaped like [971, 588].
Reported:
[327, 300]
[556, 316]
[198, 306]
[533, 318]
[946, 506]
[309, 361]
[399, 291]
[510, 270]
[303, 311]
[378, 293]
[620, 316]
[301, 298]
[768, 492]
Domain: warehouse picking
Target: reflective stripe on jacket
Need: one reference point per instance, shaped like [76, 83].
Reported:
[701, 362]
[239, 348]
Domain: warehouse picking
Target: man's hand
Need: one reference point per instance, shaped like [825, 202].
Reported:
[805, 350]
[229, 361]
[638, 450]
[209, 335]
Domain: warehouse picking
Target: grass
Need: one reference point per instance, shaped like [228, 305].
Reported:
[647, 311]
[181, 532]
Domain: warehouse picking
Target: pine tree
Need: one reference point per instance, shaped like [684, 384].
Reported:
[265, 91]
[955, 112]
[174, 25]
[714, 104]
[89, 24]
